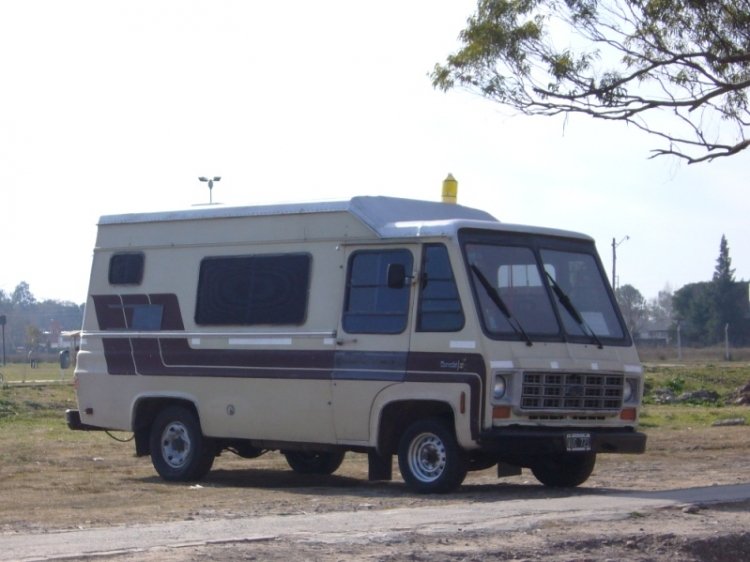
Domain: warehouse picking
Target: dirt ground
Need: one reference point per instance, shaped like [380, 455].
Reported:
[70, 480]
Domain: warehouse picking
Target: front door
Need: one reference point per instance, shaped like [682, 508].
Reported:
[373, 333]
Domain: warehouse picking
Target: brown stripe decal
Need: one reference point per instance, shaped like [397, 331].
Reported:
[117, 312]
[453, 367]
[119, 356]
[175, 357]
[109, 313]
[172, 319]
[154, 356]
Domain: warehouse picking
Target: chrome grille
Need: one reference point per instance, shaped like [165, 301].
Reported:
[571, 391]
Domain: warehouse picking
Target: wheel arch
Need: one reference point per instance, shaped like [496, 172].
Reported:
[144, 412]
[396, 416]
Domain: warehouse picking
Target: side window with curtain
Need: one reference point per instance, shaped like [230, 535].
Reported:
[371, 306]
[439, 305]
[251, 290]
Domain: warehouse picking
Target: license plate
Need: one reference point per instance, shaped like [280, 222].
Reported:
[577, 442]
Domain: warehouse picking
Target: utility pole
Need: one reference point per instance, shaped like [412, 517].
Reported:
[210, 186]
[727, 355]
[3, 320]
[615, 244]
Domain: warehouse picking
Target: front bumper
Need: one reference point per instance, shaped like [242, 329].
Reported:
[532, 441]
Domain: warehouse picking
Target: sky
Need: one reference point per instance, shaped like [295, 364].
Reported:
[116, 107]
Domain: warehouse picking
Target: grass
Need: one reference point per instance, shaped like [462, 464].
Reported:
[38, 405]
[675, 416]
[722, 378]
[22, 372]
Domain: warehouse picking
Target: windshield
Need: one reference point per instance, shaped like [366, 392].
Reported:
[542, 289]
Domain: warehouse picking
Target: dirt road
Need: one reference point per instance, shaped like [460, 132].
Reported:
[68, 496]
[456, 529]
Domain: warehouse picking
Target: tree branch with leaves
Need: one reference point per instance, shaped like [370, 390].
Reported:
[633, 61]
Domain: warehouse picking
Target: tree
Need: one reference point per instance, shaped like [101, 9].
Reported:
[660, 310]
[694, 311]
[30, 322]
[616, 60]
[705, 309]
[34, 337]
[728, 295]
[22, 296]
[633, 307]
[723, 272]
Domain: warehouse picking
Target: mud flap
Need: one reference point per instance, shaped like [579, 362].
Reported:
[506, 469]
[379, 467]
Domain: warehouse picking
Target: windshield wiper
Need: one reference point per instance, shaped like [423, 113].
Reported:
[568, 305]
[497, 299]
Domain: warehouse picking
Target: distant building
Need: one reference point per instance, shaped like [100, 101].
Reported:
[655, 334]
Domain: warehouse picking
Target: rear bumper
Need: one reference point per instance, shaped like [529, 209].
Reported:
[524, 441]
[73, 419]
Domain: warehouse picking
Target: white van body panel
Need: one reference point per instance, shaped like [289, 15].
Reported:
[158, 336]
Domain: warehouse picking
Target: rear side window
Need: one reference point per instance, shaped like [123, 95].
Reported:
[372, 307]
[247, 290]
[126, 268]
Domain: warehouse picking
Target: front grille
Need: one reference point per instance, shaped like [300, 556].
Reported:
[571, 391]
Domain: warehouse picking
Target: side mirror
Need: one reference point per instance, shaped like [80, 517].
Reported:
[396, 276]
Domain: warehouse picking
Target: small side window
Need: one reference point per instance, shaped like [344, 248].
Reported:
[126, 269]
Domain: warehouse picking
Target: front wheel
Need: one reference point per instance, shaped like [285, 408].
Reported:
[430, 459]
[179, 451]
[314, 462]
[565, 470]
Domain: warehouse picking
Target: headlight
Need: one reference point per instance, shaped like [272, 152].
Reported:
[498, 390]
[629, 391]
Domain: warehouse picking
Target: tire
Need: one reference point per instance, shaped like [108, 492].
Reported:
[179, 451]
[430, 459]
[564, 471]
[314, 462]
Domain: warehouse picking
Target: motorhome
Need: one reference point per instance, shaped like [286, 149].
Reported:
[427, 331]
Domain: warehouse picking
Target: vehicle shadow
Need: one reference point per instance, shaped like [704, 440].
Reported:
[337, 485]
[486, 492]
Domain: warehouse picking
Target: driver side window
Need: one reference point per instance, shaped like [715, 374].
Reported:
[372, 306]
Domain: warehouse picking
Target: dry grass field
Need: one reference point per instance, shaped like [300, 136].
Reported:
[53, 478]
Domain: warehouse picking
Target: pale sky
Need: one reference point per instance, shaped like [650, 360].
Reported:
[111, 107]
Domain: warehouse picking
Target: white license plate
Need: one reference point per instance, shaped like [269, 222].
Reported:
[577, 442]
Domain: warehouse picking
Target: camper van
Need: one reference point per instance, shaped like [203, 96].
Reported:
[427, 331]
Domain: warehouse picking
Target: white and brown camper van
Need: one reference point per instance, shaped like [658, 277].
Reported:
[378, 325]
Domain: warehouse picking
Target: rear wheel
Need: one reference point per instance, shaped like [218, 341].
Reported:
[564, 471]
[179, 451]
[314, 462]
[430, 459]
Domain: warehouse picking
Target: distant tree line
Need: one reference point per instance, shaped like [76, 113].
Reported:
[704, 313]
[32, 324]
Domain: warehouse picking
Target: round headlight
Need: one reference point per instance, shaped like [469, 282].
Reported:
[498, 391]
[629, 391]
